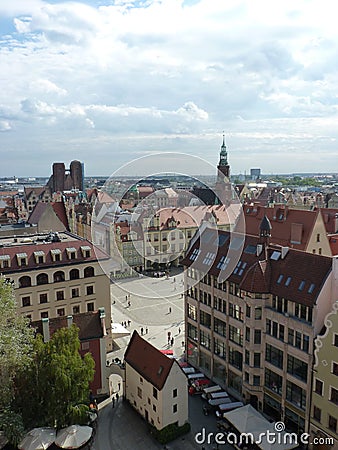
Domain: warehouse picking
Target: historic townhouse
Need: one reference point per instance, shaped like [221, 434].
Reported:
[324, 407]
[56, 274]
[155, 385]
[253, 311]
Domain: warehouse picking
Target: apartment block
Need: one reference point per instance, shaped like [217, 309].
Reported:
[252, 311]
[55, 275]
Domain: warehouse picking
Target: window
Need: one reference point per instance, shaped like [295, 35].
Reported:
[257, 360]
[256, 380]
[273, 381]
[288, 281]
[154, 392]
[139, 392]
[235, 358]
[246, 377]
[42, 278]
[317, 413]
[247, 334]
[334, 396]
[88, 272]
[295, 395]
[26, 301]
[332, 424]
[175, 393]
[59, 276]
[258, 313]
[71, 252]
[205, 319]
[318, 387]
[76, 309]
[85, 249]
[44, 315]
[291, 336]
[220, 327]
[43, 298]
[25, 282]
[5, 261]
[192, 312]
[60, 295]
[75, 292]
[335, 340]
[56, 254]
[301, 285]
[247, 357]
[22, 259]
[175, 408]
[219, 348]
[247, 311]
[89, 290]
[154, 408]
[318, 237]
[280, 278]
[74, 274]
[205, 339]
[297, 368]
[281, 332]
[298, 342]
[90, 307]
[39, 257]
[258, 337]
[274, 356]
[60, 311]
[335, 368]
[236, 335]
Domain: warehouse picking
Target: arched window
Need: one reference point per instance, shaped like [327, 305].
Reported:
[42, 278]
[59, 276]
[25, 282]
[74, 274]
[89, 272]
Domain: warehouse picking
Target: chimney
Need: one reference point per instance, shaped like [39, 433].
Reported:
[45, 330]
[102, 318]
[284, 251]
[69, 321]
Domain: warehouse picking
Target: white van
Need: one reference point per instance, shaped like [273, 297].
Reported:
[219, 401]
[218, 394]
[187, 370]
[195, 376]
[210, 389]
[227, 407]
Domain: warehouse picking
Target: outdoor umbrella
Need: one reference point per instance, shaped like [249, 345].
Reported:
[73, 436]
[38, 439]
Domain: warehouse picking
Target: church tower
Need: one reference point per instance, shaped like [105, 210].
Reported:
[223, 168]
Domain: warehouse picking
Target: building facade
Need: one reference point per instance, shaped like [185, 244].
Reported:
[252, 329]
[56, 274]
[155, 385]
[324, 405]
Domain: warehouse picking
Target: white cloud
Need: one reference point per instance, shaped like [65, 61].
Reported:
[169, 75]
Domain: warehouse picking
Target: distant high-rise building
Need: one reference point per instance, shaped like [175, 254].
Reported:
[77, 174]
[58, 177]
[255, 174]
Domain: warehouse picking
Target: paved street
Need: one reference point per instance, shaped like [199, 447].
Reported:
[120, 427]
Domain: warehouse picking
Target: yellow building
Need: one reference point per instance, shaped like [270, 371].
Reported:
[324, 406]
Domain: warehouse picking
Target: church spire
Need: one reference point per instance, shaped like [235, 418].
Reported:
[223, 165]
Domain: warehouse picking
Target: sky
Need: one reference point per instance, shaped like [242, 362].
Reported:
[107, 82]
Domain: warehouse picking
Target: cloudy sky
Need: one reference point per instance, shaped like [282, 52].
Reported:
[106, 82]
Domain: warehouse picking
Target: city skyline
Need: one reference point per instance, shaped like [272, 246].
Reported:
[109, 82]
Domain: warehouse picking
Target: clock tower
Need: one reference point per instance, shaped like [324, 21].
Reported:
[223, 168]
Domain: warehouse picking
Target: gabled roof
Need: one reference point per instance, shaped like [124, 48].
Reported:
[148, 361]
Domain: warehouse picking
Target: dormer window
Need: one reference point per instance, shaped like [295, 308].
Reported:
[40, 257]
[22, 259]
[86, 251]
[56, 254]
[5, 261]
[71, 252]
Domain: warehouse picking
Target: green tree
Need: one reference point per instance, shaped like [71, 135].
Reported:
[56, 387]
[16, 342]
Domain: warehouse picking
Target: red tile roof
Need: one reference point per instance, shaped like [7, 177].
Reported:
[288, 225]
[269, 272]
[89, 324]
[330, 217]
[333, 241]
[148, 361]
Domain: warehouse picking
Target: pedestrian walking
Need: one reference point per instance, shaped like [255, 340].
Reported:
[172, 341]
[119, 385]
[169, 309]
[126, 298]
[117, 397]
[128, 303]
[179, 330]
[142, 331]
[128, 323]
[113, 401]
[146, 330]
